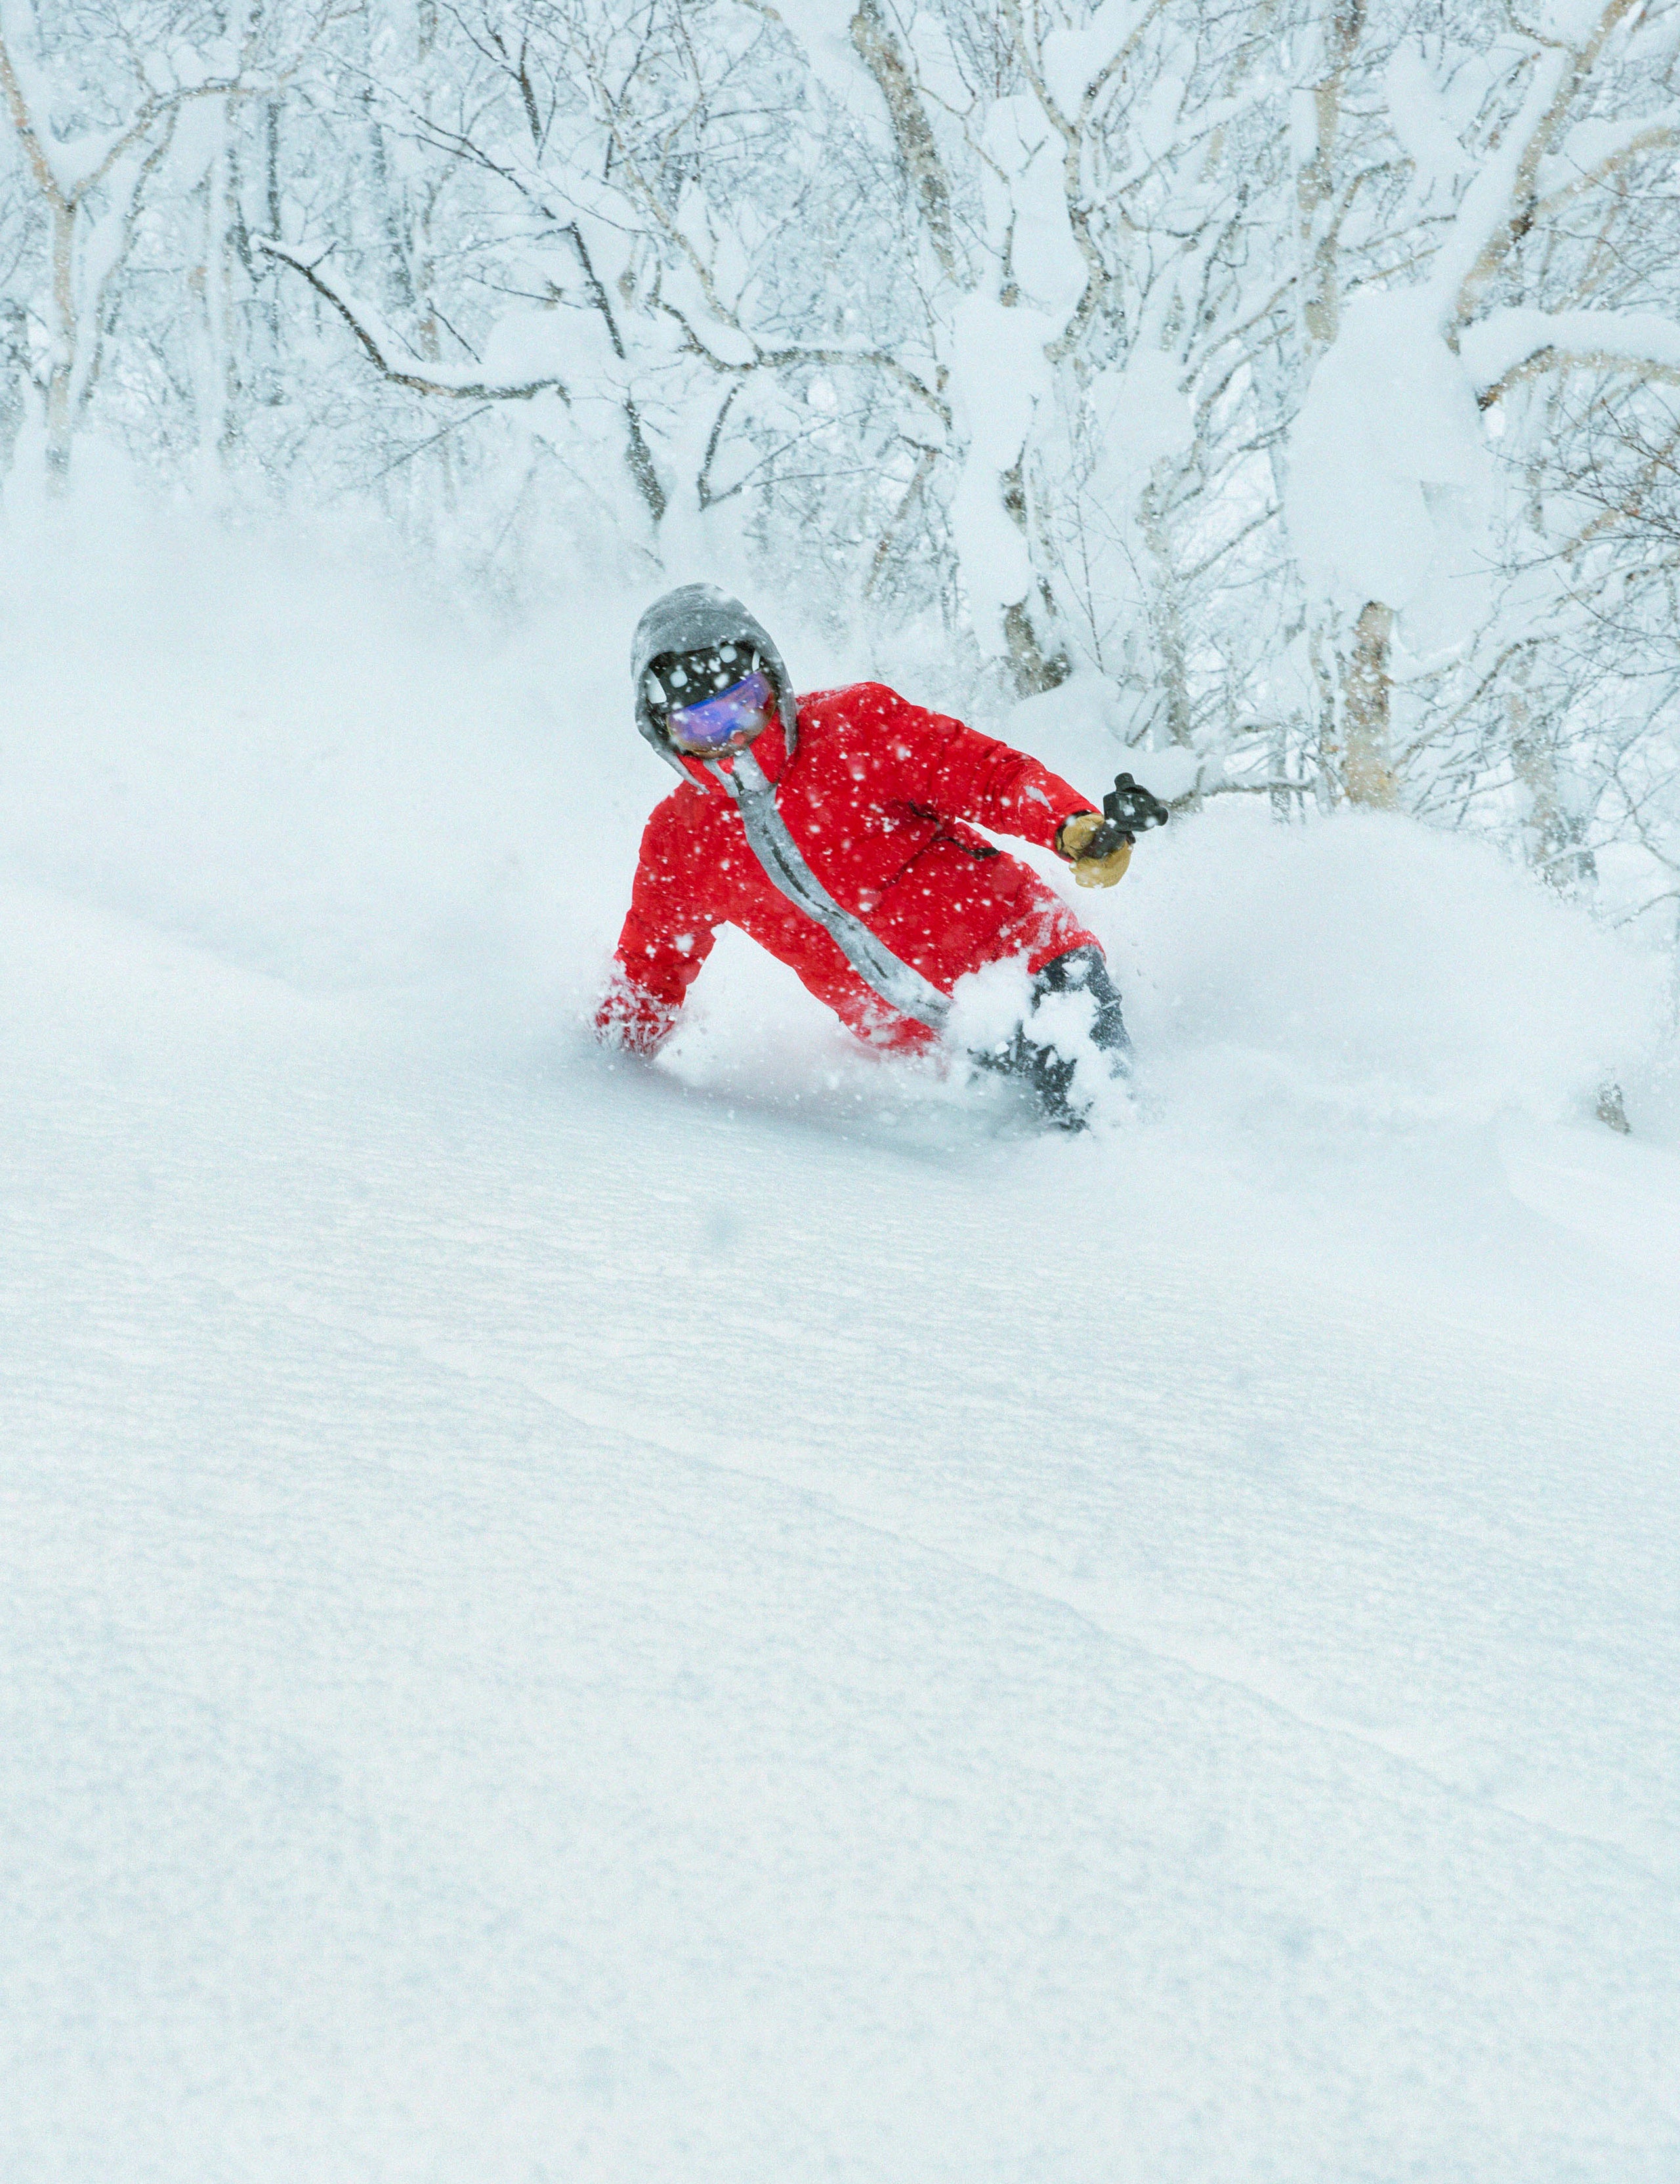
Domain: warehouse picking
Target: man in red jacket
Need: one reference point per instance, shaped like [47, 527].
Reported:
[835, 831]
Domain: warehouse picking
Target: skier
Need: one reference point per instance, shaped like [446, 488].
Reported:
[834, 830]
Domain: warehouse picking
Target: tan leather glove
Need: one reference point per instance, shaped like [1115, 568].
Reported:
[1072, 838]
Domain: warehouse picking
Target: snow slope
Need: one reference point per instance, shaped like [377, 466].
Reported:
[749, 1620]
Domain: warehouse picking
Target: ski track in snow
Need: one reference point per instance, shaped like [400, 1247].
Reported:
[749, 1620]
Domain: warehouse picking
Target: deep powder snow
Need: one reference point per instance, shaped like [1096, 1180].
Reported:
[751, 1619]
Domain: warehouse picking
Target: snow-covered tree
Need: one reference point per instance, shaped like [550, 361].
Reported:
[1294, 378]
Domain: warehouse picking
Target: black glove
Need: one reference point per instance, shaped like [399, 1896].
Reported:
[1127, 812]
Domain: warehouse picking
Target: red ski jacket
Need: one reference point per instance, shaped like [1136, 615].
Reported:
[876, 796]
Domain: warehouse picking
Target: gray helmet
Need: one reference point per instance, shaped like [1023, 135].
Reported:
[692, 619]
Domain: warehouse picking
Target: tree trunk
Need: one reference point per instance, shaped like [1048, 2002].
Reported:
[1165, 612]
[1318, 221]
[918, 149]
[216, 424]
[1032, 669]
[1551, 836]
[61, 371]
[271, 201]
[1367, 775]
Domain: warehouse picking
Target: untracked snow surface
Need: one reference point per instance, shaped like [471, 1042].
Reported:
[751, 1620]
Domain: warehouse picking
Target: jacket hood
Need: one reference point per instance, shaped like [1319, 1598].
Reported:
[685, 620]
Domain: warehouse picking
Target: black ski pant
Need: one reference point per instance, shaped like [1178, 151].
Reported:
[1049, 1073]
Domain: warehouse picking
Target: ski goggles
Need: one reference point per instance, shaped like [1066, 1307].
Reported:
[712, 725]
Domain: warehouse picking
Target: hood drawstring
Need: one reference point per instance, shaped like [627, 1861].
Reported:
[898, 984]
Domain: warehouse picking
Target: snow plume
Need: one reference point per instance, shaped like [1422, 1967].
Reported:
[297, 750]
[1366, 967]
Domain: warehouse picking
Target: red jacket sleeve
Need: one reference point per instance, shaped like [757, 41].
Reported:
[667, 936]
[954, 770]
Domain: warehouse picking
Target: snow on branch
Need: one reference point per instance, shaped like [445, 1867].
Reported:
[63, 181]
[67, 170]
[1596, 155]
[1508, 347]
[753, 358]
[1499, 206]
[1488, 222]
[384, 348]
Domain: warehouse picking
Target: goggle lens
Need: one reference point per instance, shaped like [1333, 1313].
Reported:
[746, 705]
